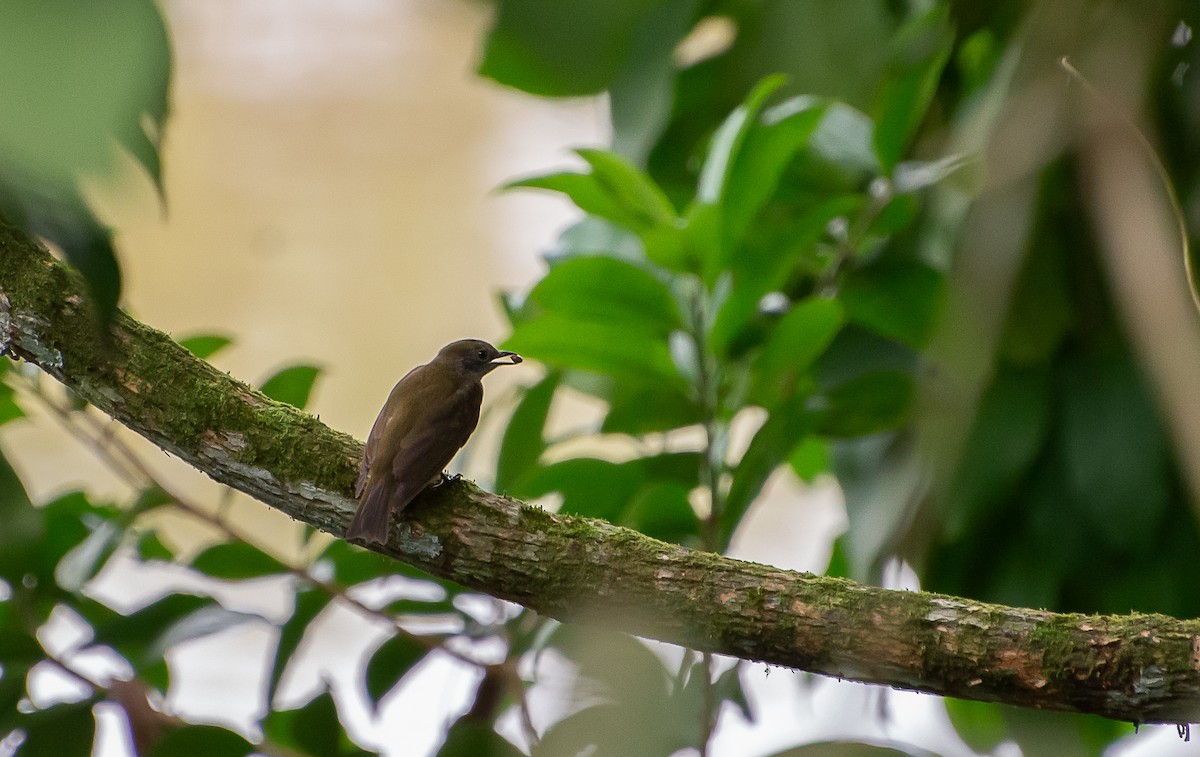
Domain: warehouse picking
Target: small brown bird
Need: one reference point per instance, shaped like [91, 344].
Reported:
[426, 419]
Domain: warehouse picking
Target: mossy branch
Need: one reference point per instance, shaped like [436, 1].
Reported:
[1140, 668]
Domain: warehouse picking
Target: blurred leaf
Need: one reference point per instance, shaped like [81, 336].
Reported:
[602, 489]
[312, 729]
[844, 138]
[1010, 429]
[561, 49]
[1114, 449]
[236, 561]
[292, 385]
[64, 529]
[141, 636]
[728, 687]
[641, 94]
[353, 565]
[845, 749]
[523, 441]
[772, 444]
[727, 142]
[64, 730]
[151, 497]
[593, 235]
[980, 724]
[873, 402]
[919, 51]
[607, 290]
[897, 299]
[468, 738]
[590, 487]
[150, 547]
[793, 346]
[630, 187]
[390, 663]
[647, 409]
[810, 458]
[839, 561]
[767, 150]
[21, 537]
[605, 348]
[309, 604]
[9, 409]
[663, 512]
[193, 740]
[79, 81]
[85, 559]
[205, 346]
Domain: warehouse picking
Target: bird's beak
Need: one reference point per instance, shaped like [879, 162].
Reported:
[515, 358]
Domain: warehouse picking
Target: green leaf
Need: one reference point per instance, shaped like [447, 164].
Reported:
[727, 142]
[1115, 453]
[770, 447]
[980, 724]
[768, 148]
[292, 385]
[810, 458]
[728, 687]
[470, 738]
[9, 409]
[590, 487]
[663, 511]
[644, 409]
[64, 730]
[610, 291]
[390, 663]
[234, 561]
[1010, 429]
[309, 604]
[23, 531]
[793, 346]
[524, 441]
[150, 547]
[561, 49]
[843, 749]
[630, 187]
[640, 97]
[143, 636]
[205, 346]
[603, 489]
[313, 729]
[920, 50]
[193, 740]
[900, 300]
[870, 403]
[604, 348]
[85, 559]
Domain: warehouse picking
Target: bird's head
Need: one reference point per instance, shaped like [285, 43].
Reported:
[476, 357]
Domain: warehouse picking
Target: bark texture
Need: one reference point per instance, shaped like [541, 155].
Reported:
[1140, 668]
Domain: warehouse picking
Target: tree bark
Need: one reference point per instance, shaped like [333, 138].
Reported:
[1140, 668]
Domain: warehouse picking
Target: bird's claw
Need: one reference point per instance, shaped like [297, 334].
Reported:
[447, 479]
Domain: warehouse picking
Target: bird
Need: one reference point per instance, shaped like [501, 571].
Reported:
[427, 418]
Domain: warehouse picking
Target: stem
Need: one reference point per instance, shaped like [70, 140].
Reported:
[711, 467]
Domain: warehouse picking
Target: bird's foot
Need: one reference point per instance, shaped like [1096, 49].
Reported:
[444, 479]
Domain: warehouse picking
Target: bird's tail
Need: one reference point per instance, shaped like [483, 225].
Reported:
[373, 520]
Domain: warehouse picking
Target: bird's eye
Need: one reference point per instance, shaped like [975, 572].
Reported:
[482, 354]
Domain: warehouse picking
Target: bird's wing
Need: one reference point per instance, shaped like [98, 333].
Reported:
[386, 418]
[437, 427]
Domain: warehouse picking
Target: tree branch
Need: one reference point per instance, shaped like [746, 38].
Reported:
[1141, 668]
